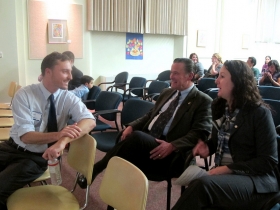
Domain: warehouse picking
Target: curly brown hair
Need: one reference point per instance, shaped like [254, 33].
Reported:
[245, 90]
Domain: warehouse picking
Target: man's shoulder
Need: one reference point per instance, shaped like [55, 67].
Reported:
[199, 94]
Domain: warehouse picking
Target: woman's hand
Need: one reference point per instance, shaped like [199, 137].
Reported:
[220, 170]
[201, 149]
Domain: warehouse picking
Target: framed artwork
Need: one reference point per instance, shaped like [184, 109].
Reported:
[201, 38]
[134, 46]
[57, 31]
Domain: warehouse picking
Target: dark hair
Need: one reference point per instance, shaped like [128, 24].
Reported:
[51, 60]
[70, 55]
[191, 55]
[253, 60]
[86, 79]
[245, 90]
[189, 65]
[276, 64]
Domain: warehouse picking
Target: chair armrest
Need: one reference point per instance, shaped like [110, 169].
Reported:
[86, 101]
[105, 83]
[101, 112]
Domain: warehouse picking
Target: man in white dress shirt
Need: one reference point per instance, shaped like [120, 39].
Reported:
[23, 158]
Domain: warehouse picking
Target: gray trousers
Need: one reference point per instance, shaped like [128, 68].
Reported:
[16, 170]
[229, 192]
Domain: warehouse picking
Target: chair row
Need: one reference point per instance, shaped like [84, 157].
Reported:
[116, 187]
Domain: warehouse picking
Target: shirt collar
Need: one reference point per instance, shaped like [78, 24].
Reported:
[46, 93]
[185, 92]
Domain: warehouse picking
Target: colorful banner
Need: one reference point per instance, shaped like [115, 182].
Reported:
[134, 46]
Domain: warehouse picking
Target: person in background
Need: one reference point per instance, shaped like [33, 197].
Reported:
[83, 90]
[272, 76]
[36, 137]
[243, 140]
[199, 70]
[214, 69]
[265, 65]
[76, 73]
[251, 63]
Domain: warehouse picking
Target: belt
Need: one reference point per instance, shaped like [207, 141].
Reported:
[13, 144]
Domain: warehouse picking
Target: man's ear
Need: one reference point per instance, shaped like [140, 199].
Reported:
[191, 76]
[47, 71]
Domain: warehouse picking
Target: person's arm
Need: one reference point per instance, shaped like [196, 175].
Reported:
[200, 71]
[85, 125]
[273, 82]
[261, 82]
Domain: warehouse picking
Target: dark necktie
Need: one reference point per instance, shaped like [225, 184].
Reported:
[52, 123]
[159, 125]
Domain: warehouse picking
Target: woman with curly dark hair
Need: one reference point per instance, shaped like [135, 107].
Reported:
[244, 142]
[272, 76]
[199, 69]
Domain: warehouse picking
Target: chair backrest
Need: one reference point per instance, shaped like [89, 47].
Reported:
[124, 186]
[213, 93]
[275, 110]
[206, 83]
[121, 78]
[157, 86]
[12, 89]
[107, 100]
[81, 155]
[134, 109]
[164, 76]
[92, 95]
[269, 92]
[137, 82]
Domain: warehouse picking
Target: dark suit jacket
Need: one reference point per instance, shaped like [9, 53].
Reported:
[253, 147]
[76, 77]
[191, 122]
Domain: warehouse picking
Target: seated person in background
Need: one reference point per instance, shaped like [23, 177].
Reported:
[83, 89]
[272, 77]
[76, 73]
[35, 137]
[244, 141]
[199, 70]
[214, 69]
[181, 115]
[251, 63]
[265, 65]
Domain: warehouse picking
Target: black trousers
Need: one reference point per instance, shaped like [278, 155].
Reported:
[17, 169]
[136, 149]
[228, 192]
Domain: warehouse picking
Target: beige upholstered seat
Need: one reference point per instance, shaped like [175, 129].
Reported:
[11, 92]
[4, 134]
[80, 157]
[124, 186]
[45, 176]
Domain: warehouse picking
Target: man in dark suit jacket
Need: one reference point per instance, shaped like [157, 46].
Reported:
[76, 73]
[191, 121]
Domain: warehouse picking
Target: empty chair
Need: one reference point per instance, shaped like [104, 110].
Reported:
[163, 76]
[205, 83]
[270, 92]
[80, 157]
[124, 186]
[11, 92]
[107, 101]
[132, 110]
[120, 82]
[155, 89]
[91, 97]
[135, 88]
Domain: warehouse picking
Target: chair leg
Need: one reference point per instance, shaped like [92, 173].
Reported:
[168, 199]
